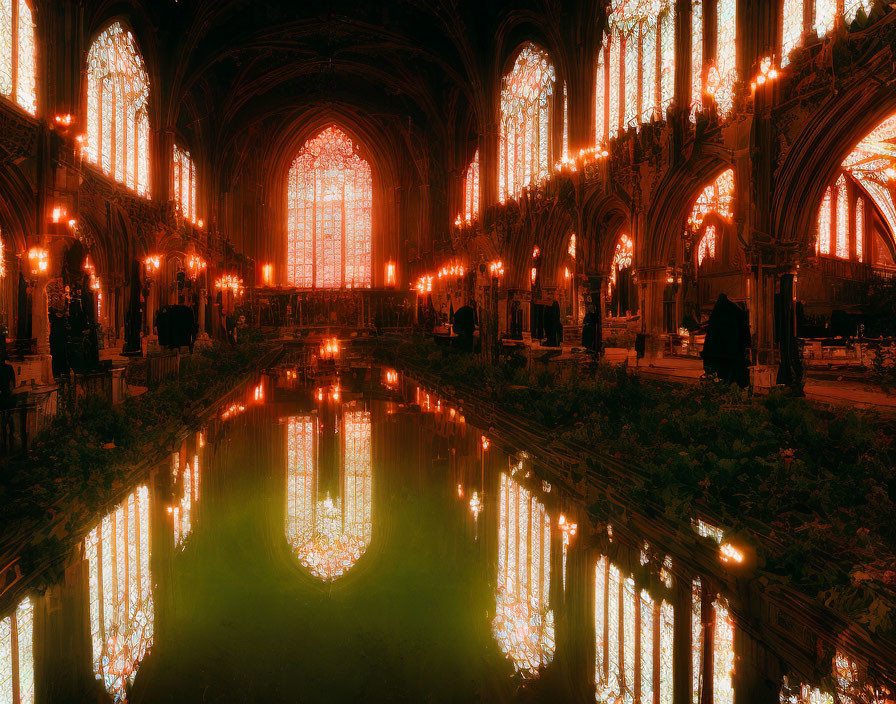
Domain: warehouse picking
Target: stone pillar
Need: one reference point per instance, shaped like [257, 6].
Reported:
[63, 663]
[203, 295]
[682, 680]
[757, 672]
[578, 637]
[790, 367]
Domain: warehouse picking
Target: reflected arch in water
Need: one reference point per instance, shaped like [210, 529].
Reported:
[329, 533]
[524, 621]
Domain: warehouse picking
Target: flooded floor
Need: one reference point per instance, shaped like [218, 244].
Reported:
[318, 543]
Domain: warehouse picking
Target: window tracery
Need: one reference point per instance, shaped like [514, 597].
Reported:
[842, 249]
[860, 227]
[726, 55]
[718, 198]
[329, 218]
[118, 109]
[186, 482]
[625, 623]
[471, 190]
[697, 58]
[121, 605]
[707, 246]
[329, 535]
[525, 152]
[825, 221]
[184, 176]
[623, 257]
[524, 622]
[640, 39]
[17, 655]
[18, 54]
[792, 28]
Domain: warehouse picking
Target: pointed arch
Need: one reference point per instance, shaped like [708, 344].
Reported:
[118, 92]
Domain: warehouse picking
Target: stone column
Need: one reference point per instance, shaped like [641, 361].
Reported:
[790, 367]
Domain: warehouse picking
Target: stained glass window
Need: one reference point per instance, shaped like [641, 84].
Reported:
[696, 641]
[825, 16]
[860, 227]
[697, 58]
[718, 198]
[571, 248]
[842, 249]
[121, 606]
[329, 216]
[600, 623]
[18, 54]
[525, 152]
[851, 8]
[641, 39]
[471, 190]
[707, 247]
[118, 109]
[524, 621]
[184, 182]
[17, 655]
[622, 257]
[723, 654]
[667, 629]
[646, 643]
[330, 534]
[186, 483]
[825, 221]
[791, 28]
[625, 623]
[614, 634]
[565, 122]
[726, 54]
[804, 694]
[600, 102]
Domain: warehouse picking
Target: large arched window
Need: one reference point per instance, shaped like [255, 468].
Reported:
[714, 76]
[629, 89]
[118, 109]
[716, 200]
[329, 215]
[18, 80]
[184, 182]
[526, 97]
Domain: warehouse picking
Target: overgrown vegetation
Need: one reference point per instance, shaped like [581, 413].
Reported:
[92, 447]
[817, 483]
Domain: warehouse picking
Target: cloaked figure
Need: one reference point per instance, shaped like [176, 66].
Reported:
[464, 326]
[727, 341]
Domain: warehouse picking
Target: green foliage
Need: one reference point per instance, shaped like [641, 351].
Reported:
[810, 483]
[90, 447]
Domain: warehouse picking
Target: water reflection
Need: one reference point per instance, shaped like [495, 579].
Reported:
[121, 604]
[328, 501]
[524, 621]
[17, 655]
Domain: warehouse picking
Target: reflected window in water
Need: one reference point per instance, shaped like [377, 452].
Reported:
[626, 620]
[524, 622]
[329, 534]
[186, 485]
[121, 607]
[17, 655]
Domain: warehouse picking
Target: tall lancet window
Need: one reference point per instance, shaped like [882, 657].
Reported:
[17, 655]
[637, 64]
[526, 94]
[471, 190]
[714, 76]
[329, 221]
[118, 109]
[18, 81]
[184, 176]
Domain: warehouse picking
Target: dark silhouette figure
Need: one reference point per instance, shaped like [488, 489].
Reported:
[464, 326]
[727, 341]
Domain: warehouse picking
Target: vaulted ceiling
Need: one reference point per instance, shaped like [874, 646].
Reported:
[242, 75]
